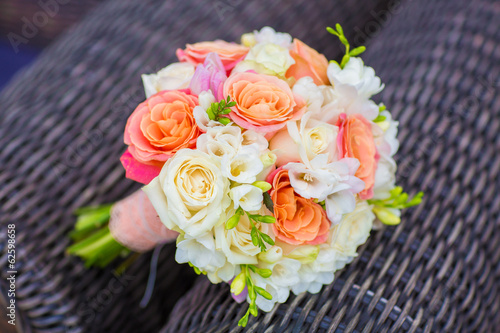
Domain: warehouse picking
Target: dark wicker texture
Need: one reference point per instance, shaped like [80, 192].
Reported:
[439, 271]
[62, 122]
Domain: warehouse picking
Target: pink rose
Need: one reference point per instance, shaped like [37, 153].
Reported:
[308, 62]
[264, 103]
[229, 53]
[156, 130]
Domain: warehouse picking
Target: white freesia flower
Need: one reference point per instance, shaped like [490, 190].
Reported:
[389, 127]
[244, 167]
[220, 141]
[252, 138]
[343, 98]
[385, 177]
[310, 92]
[174, 76]
[357, 75]
[267, 35]
[353, 230]
[321, 180]
[205, 100]
[304, 140]
[314, 275]
[237, 244]
[199, 251]
[190, 193]
[248, 197]
[266, 58]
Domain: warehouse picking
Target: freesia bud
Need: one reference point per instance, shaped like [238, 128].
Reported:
[271, 255]
[238, 284]
[386, 216]
[264, 186]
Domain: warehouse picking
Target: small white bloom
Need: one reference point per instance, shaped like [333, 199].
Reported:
[353, 230]
[343, 98]
[190, 193]
[252, 138]
[357, 75]
[199, 251]
[314, 275]
[220, 141]
[385, 177]
[248, 197]
[174, 76]
[205, 99]
[266, 58]
[244, 167]
[310, 92]
[267, 35]
[271, 255]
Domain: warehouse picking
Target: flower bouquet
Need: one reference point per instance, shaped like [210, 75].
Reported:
[267, 164]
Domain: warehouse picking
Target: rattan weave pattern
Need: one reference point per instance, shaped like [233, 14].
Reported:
[61, 129]
[439, 271]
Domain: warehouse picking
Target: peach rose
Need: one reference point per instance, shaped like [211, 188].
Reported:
[298, 220]
[229, 53]
[157, 129]
[355, 139]
[308, 62]
[264, 103]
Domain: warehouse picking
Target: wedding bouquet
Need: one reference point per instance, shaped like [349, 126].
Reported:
[266, 163]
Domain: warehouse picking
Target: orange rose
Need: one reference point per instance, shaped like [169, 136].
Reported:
[355, 139]
[230, 53]
[264, 103]
[159, 127]
[308, 62]
[298, 220]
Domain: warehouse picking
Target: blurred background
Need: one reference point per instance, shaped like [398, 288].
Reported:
[28, 26]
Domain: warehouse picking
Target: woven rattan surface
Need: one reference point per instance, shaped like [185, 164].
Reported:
[439, 271]
[62, 122]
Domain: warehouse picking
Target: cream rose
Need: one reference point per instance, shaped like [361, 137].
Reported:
[266, 58]
[190, 194]
[173, 77]
[353, 230]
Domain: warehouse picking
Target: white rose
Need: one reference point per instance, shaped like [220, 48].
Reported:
[353, 230]
[205, 100]
[266, 58]
[175, 76]
[190, 194]
[267, 35]
[248, 197]
[305, 141]
[357, 75]
[237, 244]
[244, 167]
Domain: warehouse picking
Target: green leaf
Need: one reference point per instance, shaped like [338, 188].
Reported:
[262, 292]
[268, 202]
[357, 51]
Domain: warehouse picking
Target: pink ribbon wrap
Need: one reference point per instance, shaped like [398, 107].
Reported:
[135, 224]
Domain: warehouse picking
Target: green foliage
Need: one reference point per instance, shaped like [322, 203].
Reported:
[258, 237]
[397, 200]
[253, 290]
[339, 32]
[217, 110]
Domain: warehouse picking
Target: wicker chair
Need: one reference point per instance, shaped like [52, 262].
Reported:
[61, 131]
[439, 270]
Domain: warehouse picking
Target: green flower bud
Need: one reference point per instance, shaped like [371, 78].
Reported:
[264, 186]
[238, 284]
[386, 216]
[305, 253]
[271, 255]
